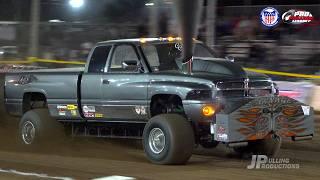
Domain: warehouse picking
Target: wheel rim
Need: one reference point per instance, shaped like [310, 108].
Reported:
[28, 132]
[157, 140]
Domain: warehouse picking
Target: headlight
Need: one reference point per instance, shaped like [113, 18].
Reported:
[199, 95]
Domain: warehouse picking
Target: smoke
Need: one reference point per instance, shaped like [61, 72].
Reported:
[188, 12]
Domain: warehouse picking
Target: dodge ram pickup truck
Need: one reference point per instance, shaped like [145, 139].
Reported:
[136, 88]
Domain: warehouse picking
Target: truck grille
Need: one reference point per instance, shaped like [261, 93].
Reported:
[244, 88]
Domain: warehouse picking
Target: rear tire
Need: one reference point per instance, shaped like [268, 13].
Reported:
[168, 139]
[269, 147]
[37, 127]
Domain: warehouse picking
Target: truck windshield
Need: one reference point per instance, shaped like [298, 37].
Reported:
[167, 56]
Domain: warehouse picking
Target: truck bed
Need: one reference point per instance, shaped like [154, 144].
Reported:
[59, 86]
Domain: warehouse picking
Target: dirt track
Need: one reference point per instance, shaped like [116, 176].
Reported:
[93, 158]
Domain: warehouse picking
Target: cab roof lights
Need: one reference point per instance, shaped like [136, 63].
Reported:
[170, 39]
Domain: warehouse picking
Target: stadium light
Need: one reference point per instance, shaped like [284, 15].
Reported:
[76, 3]
[149, 4]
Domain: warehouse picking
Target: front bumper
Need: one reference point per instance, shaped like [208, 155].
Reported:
[262, 116]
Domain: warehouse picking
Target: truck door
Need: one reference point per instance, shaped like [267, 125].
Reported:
[91, 93]
[124, 85]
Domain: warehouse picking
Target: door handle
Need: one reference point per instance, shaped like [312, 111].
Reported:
[105, 81]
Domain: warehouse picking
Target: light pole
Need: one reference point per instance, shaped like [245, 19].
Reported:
[34, 29]
[153, 8]
[35, 19]
[211, 21]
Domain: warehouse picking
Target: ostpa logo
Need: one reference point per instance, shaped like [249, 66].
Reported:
[269, 16]
[297, 17]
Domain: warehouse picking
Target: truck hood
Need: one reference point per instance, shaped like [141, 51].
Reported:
[222, 77]
[221, 69]
[218, 69]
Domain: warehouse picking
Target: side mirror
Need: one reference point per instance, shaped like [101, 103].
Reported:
[275, 89]
[230, 58]
[130, 65]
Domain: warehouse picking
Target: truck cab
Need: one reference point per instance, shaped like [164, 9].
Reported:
[126, 75]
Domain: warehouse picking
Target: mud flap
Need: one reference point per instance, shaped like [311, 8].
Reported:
[262, 116]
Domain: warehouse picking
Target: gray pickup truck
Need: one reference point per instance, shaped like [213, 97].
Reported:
[135, 88]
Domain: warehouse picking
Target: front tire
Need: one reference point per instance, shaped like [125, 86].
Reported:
[168, 139]
[36, 127]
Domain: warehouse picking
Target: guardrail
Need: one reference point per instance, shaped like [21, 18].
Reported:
[31, 60]
[279, 73]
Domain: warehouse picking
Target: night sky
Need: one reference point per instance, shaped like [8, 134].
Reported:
[94, 10]
[100, 10]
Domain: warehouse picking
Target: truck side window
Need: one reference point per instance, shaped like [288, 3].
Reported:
[151, 54]
[98, 59]
[121, 54]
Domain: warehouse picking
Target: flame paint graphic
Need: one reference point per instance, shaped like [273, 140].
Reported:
[256, 125]
[288, 122]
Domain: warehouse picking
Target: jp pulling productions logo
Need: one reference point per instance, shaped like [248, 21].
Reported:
[269, 17]
[263, 162]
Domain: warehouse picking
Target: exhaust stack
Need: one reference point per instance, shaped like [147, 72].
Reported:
[188, 12]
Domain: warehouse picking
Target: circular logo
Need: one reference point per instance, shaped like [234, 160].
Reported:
[269, 16]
